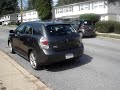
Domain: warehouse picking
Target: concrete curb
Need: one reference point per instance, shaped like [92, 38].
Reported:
[32, 78]
[116, 36]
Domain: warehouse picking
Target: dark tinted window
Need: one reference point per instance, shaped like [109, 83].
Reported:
[37, 29]
[75, 24]
[20, 29]
[60, 29]
[28, 30]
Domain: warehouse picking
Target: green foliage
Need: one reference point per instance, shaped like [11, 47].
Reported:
[31, 4]
[44, 9]
[14, 23]
[105, 26]
[92, 17]
[65, 2]
[117, 27]
[8, 7]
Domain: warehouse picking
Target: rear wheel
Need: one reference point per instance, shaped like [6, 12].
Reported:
[10, 47]
[34, 60]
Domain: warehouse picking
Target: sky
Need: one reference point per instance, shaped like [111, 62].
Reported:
[25, 2]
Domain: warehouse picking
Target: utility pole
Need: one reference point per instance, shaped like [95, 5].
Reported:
[21, 10]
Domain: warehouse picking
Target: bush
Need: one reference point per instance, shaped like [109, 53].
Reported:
[92, 17]
[117, 27]
[105, 26]
[18, 23]
[14, 23]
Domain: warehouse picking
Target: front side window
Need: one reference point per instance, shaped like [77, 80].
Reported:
[28, 30]
[20, 29]
[60, 29]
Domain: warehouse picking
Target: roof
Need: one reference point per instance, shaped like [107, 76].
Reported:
[45, 22]
[87, 1]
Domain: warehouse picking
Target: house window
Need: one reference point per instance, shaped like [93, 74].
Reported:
[101, 4]
[95, 5]
[29, 13]
[87, 6]
[81, 7]
[34, 13]
[56, 11]
[71, 9]
[61, 10]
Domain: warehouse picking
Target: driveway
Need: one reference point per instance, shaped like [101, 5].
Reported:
[97, 69]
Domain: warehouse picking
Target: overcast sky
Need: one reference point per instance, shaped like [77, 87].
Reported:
[25, 2]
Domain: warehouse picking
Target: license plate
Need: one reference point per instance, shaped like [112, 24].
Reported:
[69, 56]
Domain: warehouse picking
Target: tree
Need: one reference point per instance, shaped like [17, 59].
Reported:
[44, 9]
[65, 2]
[8, 7]
[113, 1]
[31, 4]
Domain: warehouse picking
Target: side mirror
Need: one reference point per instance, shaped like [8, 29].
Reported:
[11, 31]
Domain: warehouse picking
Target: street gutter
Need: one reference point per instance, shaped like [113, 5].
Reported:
[110, 35]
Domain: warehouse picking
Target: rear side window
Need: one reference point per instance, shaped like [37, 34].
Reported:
[60, 29]
[37, 29]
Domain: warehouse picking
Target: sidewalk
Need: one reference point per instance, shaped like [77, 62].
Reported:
[10, 27]
[111, 35]
[14, 77]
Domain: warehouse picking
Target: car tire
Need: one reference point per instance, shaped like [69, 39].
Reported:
[10, 47]
[33, 57]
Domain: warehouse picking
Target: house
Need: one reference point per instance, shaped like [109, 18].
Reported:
[5, 19]
[101, 7]
[30, 15]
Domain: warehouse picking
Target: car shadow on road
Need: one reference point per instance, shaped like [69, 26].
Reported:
[85, 59]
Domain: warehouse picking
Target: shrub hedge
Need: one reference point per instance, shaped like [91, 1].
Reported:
[108, 27]
[105, 26]
[117, 27]
[14, 23]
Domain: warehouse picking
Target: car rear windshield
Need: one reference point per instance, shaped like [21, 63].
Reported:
[60, 29]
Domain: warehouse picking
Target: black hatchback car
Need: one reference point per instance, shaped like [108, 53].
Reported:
[45, 43]
[84, 27]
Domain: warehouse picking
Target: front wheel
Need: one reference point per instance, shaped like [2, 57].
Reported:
[10, 47]
[33, 60]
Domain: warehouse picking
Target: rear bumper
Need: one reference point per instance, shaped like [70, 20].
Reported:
[50, 57]
[89, 33]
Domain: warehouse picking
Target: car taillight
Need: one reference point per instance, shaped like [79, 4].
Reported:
[44, 43]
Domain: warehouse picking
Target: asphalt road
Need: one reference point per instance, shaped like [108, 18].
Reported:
[98, 69]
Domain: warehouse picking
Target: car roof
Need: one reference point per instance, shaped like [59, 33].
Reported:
[46, 23]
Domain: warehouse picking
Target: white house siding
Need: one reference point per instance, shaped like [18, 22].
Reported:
[114, 12]
[31, 15]
[6, 19]
[96, 7]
